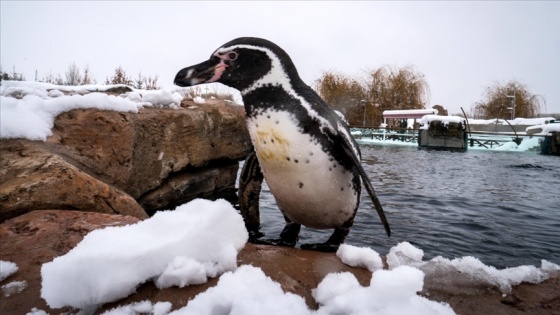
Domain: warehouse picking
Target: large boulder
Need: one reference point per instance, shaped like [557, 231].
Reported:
[33, 178]
[136, 152]
[108, 161]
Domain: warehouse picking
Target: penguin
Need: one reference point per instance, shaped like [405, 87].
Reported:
[302, 148]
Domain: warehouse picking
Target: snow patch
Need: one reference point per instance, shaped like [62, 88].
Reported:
[13, 287]
[7, 268]
[141, 308]
[402, 254]
[390, 292]
[360, 257]
[246, 291]
[36, 311]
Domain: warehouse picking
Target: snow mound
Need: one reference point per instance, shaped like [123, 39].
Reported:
[201, 238]
[360, 257]
[390, 292]
[247, 291]
[404, 253]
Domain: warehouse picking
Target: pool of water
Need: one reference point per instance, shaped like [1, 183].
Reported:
[501, 207]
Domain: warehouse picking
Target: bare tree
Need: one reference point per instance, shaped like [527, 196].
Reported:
[508, 101]
[73, 75]
[119, 77]
[87, 79]
[151, 83]
[139, 81]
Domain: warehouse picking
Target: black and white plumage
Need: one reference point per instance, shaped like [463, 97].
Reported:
[302, 148]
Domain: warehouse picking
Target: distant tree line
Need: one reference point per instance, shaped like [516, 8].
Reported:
[362, 99]
[74, 76]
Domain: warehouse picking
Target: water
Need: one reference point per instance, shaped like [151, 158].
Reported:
[501, 207]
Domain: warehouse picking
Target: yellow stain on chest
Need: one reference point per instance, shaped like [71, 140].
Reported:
[271, 146]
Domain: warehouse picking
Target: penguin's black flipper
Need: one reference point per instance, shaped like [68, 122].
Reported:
[250, 184]
[351, 149]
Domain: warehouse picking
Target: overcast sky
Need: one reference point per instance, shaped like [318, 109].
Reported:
[460, 47]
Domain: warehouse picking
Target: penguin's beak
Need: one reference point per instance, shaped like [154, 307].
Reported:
[205, 72]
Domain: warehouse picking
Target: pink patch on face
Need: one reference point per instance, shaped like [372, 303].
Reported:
[220, 68]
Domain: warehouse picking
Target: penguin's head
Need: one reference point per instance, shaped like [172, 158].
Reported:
[243, 63]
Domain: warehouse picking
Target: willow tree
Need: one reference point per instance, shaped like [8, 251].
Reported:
[363, 100]
[390, 88]
[508, 101]
[342, 93]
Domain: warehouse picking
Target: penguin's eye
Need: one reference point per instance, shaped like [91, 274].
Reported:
[232, 55]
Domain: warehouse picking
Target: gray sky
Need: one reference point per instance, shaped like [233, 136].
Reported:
[460, 47]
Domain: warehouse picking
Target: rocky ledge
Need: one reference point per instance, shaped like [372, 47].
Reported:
[39, 236]
[125, 163]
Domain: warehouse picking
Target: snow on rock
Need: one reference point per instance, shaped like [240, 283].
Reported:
[333, 285]
[198, 100]
[109, 263]
[7, 268]
[161, 97]
[549, 267]
[390, 292]
[360, 257]
[28, 109]
[36, 311]
[246, 291]
[13, 287]
[404, 253]
[140, 308]
[182, 271]
[504, 279]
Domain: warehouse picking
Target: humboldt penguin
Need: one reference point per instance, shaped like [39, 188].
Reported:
[302, 148]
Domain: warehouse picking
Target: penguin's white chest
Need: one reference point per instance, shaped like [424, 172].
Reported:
[310, 187]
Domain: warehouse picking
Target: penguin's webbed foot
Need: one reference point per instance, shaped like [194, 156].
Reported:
[332, 244]
[321, 247]
[288, 237]
[274, 242]
[255, 235]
